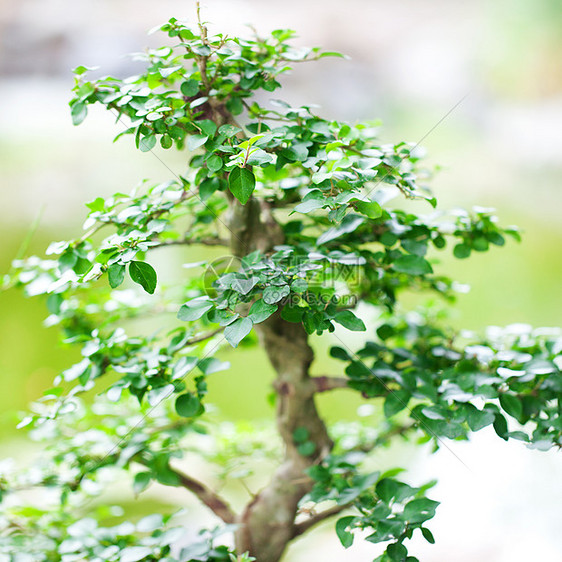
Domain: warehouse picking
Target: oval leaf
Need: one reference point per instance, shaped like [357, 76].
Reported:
[275, 293]
[134, 553]
[115, 275]
[412, 265]
[193, 310]
[143, 274]
[188, 405]
[261, 311]
[370, 209]
[348, 320]
[78, 111]
[141, 481]
[241, 183]
[511, 405]
[195, 141]
[237, 331]
[345, 536]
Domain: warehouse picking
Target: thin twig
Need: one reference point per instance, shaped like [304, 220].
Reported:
[300, 528]
[192, 241]
[203, 337]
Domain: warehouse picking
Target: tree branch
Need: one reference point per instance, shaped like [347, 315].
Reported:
[192, 241]
[300, 528]
[324, 383]
[207, 496]
[203, 337]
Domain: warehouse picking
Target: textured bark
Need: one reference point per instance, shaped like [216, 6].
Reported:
[267, 524]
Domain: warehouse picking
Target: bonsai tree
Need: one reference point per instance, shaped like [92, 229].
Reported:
[310, 218]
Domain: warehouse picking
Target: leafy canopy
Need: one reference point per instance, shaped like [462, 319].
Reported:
[327, 188]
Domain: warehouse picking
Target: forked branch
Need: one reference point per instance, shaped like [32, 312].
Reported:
[304, 526]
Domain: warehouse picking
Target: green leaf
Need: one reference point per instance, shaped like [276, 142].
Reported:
[228, 130]
[78, 112]
[238, 330]
[388, 239]
[97, 205]
[241, 182]
[332, 54]
[188, 405]
[420, 510]
[396, 552]
[412, 246]
[242, 284]
[480, 244]
[495, 238]
[54, 302]
[477, 419]
[512, 405]
[412, 265]
[156, 395]
[147, 143]
[292, 314]
[150, 523]
[79, 70]
[310, 205]
[143, 274]
[427, 535]
[348, 320]
[194, 309]
[500, 426]
[67, 260]
[195, 141]
[163, 473]
[261, 311]
[299, 286]
[385, 331]
[370, 209]
[275, 293]
[389, 489]
[345, 536]
[339, 353]
[349, 224]
[166, 141]
[207, 127]
[208, 187]
[358, 370]
[189, 88]
[211, 365]
[116, 275]
[461, 251]
[134, 553]
[183, 366]
[141, 481]
[214, 163]
[395, 402]
[235, 106]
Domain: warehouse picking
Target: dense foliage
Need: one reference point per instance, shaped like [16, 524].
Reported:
[303, 205]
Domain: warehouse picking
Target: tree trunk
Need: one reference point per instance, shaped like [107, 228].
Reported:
[267, 524]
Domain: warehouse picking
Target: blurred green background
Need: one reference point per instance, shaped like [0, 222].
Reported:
[411, 63]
